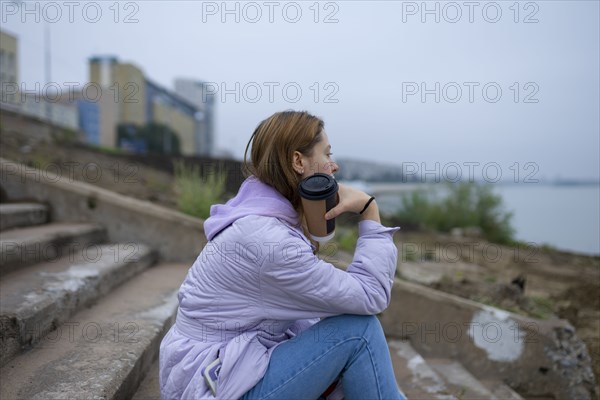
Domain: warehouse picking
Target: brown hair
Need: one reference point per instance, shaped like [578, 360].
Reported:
[273, 144]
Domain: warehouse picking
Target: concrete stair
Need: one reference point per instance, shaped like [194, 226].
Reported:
[76, 317]
[14, 215]
[501, 390]
[24, 246]
[39, 298]
[441, 379]
[150, 387]
[105, 350]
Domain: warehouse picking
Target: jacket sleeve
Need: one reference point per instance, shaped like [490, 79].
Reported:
[297, 284]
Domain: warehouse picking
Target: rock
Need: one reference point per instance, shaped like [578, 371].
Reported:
[456, 232]
[520, 281]
[468, 232]
[473, 232]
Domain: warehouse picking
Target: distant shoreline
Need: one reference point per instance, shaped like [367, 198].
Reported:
[400, 187]
[543, 212]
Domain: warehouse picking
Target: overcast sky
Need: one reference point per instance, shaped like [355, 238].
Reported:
[517, 82]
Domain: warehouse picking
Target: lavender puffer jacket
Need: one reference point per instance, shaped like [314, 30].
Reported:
[256, 284]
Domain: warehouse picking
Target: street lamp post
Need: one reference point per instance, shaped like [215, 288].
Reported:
[48, 72]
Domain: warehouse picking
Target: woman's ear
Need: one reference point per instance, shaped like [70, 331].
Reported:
[297, 162]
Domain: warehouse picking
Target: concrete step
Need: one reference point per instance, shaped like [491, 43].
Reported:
[150, 387]
[414, 376]
[460, 381]
[104, 351]
[21, 247]
[501, 390]
[37, 299]
[14, 215]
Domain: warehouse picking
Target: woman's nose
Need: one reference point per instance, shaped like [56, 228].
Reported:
[333, 167]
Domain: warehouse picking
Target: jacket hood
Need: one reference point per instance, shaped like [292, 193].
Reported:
[254, 198]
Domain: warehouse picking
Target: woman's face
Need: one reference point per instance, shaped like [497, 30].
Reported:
[320, 161]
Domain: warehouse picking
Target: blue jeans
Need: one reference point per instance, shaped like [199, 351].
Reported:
[352, 348]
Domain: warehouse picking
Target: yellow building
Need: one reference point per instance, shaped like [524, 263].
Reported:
[182, 124]
[130, 86]
[9, 67]
[129, 98]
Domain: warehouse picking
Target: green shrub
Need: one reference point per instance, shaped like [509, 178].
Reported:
[467, 204]
[64, 135]
[113, 151]
[195, 194]
[540, 307]
[154, 183]
[417, 208]
[348, 238]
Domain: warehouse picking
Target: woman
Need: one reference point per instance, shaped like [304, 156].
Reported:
[251, 302]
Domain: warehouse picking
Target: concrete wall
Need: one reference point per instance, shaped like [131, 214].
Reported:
[64, 115]
[126, 219]
[537, 357]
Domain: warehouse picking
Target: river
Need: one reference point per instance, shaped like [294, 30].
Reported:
[564, 216]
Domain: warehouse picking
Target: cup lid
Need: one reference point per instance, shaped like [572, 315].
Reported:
[318, 186]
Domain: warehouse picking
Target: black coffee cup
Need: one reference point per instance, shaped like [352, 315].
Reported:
[318, 193]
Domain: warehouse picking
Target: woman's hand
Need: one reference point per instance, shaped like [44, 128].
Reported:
[351, 200]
